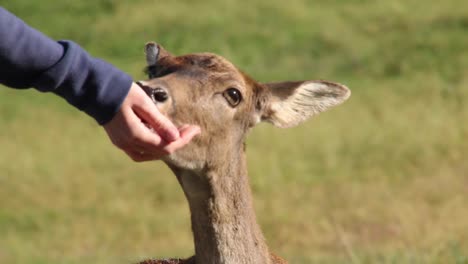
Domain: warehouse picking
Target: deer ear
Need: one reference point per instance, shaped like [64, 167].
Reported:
[291, 103]
[154, 53]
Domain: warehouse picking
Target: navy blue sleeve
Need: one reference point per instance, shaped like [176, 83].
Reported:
[28, 58]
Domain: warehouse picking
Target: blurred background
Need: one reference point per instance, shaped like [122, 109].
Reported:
[382, 178]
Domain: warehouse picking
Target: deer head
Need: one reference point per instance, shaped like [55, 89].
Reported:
[205, 89]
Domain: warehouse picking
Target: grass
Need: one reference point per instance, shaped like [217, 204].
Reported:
[380, 179]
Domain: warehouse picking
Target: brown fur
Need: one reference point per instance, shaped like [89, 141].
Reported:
[212, 169]
[169, 261]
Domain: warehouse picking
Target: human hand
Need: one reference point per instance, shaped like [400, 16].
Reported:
[142, 132]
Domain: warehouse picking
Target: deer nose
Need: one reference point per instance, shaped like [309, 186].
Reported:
[157, 94]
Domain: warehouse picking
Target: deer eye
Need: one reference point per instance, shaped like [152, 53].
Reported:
[233, 96]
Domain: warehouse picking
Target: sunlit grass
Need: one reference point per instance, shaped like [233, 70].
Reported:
[380, 179]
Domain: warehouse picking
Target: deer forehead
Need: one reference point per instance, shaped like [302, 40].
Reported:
[209, 61]
[213, 71]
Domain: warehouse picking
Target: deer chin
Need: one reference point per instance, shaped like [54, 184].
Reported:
[175, 161]
[184, 160]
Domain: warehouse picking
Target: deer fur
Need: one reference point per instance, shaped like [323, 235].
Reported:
[212, 169]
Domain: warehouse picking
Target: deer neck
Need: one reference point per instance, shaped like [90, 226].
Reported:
[222, 214]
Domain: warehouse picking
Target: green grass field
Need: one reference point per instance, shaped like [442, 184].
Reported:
[380, 179]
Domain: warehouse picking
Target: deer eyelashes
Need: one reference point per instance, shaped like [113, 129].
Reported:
[233, 96]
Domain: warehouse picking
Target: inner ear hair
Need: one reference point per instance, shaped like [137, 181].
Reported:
[292, 103]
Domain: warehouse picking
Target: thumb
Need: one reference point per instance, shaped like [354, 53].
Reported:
[187, 132]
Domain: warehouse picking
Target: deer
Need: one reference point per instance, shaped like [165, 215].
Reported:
[207, 90]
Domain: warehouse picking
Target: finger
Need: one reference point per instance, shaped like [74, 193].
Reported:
[186, 135]
[148, 139]
[136, 135]
[187, 130]
[145, 153]
[160, 123]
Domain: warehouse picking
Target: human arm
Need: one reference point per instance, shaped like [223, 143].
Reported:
[30, 59]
